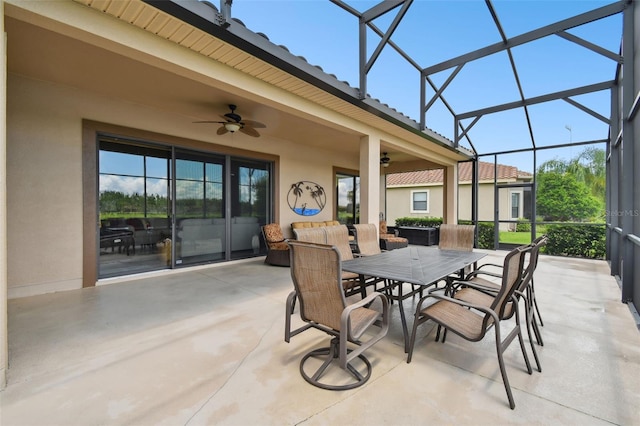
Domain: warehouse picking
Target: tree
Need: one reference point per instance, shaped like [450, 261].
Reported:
[588, 167]
[561, 197]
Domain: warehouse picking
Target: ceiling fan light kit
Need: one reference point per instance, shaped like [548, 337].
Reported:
[232, 127]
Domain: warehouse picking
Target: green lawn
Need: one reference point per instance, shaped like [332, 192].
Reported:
[516, 237]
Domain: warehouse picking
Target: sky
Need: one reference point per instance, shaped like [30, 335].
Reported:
[436, 30]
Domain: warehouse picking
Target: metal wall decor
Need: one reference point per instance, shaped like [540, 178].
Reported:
[306, 198]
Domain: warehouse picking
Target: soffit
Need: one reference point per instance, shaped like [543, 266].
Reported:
[410, 142]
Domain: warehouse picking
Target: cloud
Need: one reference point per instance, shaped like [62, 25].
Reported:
[132, 185]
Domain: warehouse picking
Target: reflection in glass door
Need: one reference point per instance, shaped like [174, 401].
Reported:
[348, 200]
[165, 207]
[250, 206]
[134, 207]
[199, 207]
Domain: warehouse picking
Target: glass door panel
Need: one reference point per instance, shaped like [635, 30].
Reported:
[134, 209]
[250, 206]
[199, 207]
[348, 200]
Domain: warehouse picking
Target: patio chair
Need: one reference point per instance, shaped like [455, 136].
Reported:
[480, 291]
[390, 241]
[476, 276]
[366, 235]
[456, 237]
[277, 247]
[316, 274]
[338, 236]
[472, 322]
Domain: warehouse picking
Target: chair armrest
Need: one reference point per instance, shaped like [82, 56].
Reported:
[477, 272]
[345, 333]
[495, 265]
[475, 286]
[484, 309]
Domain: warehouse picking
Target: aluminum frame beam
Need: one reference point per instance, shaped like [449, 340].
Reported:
[541, 32]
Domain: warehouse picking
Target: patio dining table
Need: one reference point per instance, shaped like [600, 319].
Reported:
[423, 266]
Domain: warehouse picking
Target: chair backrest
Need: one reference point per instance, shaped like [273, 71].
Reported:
[312, 235]
[367, 239]
[272, 233]
[511, 279]
[316, 271]
[383, 227]
[539, 243]
[338, 236]
[456, 237]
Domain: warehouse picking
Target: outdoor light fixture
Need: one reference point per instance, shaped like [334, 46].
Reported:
[232, 127]
[384, 161]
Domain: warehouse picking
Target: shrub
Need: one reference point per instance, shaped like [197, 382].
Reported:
[485, 233]
[427, 222]
[523, 225]
[576, 240]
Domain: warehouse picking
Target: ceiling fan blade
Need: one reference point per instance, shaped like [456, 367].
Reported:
[254, 124]
[222, 130]
[249, 131]
[209, 121]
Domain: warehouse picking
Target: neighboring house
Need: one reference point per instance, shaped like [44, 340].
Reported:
[420, 194]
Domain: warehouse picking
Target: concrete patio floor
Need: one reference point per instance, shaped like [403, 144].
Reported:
[205, 347]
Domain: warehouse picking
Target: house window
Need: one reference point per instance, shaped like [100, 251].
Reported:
[419, 201]
[515, 205]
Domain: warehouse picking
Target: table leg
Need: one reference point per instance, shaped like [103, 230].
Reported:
[403, 320]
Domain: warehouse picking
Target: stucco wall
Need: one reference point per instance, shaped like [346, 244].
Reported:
[44, 194]
[399, 203]
[45, 177]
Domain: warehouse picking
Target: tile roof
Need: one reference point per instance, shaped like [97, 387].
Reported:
[485, 173]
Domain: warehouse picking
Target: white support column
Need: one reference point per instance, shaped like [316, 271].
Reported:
[450, 211]
[369, 179]
[4, 342]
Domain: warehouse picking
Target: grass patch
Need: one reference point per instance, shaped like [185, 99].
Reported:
[516, 237]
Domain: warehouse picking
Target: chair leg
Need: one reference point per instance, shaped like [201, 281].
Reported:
[535, 303]
[416, 322]
[529, 315]
[534, 308]
[289, 307]
[503, 371]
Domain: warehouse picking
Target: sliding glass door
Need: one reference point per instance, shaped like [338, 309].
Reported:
[200, 213]
[250, 206]
[165, 207]
[134, 204]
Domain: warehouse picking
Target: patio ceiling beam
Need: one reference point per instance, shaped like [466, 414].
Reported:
[410, 60]
[514, 69]
[587, 110]
[442, 88]
[541, 148]
[374, 13]
[541, 32]
[591, 46]
[540, 99]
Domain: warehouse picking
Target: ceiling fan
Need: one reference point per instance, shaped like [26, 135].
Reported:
[234, 122]
[385, 160]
